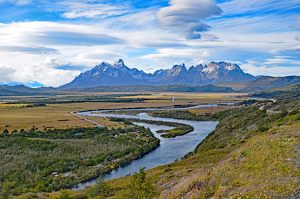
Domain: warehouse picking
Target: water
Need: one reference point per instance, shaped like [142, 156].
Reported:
[169, 150]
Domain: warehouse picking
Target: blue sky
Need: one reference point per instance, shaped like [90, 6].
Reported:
[51, 42]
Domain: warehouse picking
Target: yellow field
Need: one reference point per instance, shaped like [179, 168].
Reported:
[201, 98]
[16, 116]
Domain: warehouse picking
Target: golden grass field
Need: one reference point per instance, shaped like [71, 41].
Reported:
[16, 116]
[201, 98]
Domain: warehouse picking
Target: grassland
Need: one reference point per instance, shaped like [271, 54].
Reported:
[17, 116]
[198, 98]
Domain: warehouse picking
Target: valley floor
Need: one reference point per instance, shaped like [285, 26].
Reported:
[253, 153]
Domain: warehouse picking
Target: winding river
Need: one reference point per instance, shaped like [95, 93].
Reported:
[169, 150]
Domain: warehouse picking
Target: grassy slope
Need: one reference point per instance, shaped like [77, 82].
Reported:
[234, 160]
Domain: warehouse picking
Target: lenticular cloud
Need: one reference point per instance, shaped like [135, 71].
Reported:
[185, 17]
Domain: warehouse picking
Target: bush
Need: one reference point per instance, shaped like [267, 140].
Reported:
[138, 187]
[263, 128]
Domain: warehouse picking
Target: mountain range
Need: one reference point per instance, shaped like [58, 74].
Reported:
[260, 84]
[107, 74]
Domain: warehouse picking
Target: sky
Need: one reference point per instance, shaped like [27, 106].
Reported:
[52, 42]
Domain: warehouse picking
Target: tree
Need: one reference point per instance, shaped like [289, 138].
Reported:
[5, 132]
[64, 195]
[139, 187]
[100, 189]
[7, 189]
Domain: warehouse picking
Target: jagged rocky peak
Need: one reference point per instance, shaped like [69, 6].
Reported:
[199, 67]
[178, 68]
[120, 62]
[222, 65]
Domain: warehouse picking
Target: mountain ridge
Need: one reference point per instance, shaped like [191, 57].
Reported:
[118, 73]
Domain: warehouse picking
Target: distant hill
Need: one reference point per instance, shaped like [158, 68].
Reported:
[261, 84]
[107, 74]
[21, 90]
[279, 91]
[146, 88]
[18, 88]
[4, 92]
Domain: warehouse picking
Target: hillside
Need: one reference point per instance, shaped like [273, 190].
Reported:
[261, 84]
[252, 153]
[275, 92]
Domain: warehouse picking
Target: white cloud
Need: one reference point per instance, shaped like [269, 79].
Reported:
[184, 17]
[46, 76]
[270, 70]
[17, 2]
[55, 62]
[245, 6]
[28, 49]
[74, 64]
[92, 10]
[292, 49]
[177, 56]
[101, 55]
[54, 34]
[6, 73]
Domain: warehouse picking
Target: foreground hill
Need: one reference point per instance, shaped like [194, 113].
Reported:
[107, 74]
[261, 84]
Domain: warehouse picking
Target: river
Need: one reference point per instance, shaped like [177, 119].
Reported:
[169, 150]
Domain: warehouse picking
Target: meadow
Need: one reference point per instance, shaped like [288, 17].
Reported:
[19, 116]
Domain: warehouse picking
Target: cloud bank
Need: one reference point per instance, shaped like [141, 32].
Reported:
[28, 49]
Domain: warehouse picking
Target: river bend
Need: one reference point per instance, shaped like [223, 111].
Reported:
[169, 150]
